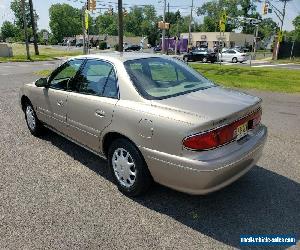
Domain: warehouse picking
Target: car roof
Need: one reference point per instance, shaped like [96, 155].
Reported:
[120, 56]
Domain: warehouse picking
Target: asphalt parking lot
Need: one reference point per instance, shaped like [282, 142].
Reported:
[54, 194]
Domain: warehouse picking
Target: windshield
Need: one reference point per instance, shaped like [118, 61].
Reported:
[159, 78]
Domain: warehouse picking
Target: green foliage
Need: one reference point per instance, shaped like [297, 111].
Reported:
[8, 29]
[296, 23]
[248, 9]
[41, 36]
[116, 47]
[107, 24]
[267, 28]
[17, 10]
[64, 21]
[102, 45]
[213, 9]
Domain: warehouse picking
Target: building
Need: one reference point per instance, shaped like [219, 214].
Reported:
[212, 39]
[113, 40]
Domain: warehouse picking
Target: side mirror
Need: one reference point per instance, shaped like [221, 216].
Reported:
[42, 82]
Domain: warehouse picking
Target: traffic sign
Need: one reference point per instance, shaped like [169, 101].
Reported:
[86, 19]
[222, 22]
[224, 16]
[222, 26]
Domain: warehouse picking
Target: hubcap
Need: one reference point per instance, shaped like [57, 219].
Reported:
[30, 117]
[124, 167]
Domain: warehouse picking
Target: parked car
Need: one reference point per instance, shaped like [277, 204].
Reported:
[152, 117]
[233, 55]
[133, 47]
[201, 54]
[157, 48]
[241, 49]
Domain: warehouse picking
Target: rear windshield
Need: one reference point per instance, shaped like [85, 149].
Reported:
[160, 78]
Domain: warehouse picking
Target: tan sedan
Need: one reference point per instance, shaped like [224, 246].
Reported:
[152, 117]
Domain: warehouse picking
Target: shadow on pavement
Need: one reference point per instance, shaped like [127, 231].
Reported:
[261, 202]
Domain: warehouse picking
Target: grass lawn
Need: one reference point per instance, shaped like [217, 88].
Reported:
[268, 79]
[46, 53]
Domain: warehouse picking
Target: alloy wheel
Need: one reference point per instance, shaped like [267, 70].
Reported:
[124, 167]
[30, 117]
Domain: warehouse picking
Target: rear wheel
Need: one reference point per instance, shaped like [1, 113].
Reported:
[34, 125]
[234, 60]
[128, 168]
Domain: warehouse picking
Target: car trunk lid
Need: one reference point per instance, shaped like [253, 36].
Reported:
[216, 105]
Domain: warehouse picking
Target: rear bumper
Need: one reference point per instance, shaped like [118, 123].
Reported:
[198, 176]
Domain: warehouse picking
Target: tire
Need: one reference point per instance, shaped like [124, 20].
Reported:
[234, 60]
[128, 168]
[204, 60]
[186, 59]
[33, 123]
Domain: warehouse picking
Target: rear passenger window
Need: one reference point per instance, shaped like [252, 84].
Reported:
[98, 78]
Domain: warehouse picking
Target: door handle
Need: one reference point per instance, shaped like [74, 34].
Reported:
[60, 103]
[100, 113]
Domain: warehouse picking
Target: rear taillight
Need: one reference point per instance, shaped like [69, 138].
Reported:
[220, 136]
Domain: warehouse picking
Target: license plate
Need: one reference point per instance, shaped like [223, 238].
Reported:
[241, 131]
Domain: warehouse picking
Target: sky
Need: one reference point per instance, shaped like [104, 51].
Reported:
[42, 6]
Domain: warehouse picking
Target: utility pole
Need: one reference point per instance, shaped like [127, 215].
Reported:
[190, 26]
[163, 40]
[176, 42]
[33, 23]
[120, 14]
[281, 26]
[292, 50]
[83, 29]
[25, 28]
[168, 29]
[281, 15]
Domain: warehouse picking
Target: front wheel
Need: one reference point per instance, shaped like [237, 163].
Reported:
[34, 125]
[186, 59]
[128, 168]
[234, 60]
[204, 60]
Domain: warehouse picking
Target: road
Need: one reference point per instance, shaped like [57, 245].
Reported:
[54, 194]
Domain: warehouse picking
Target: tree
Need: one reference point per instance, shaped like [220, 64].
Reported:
[133, 21]
[17, 10]
[8, 29]
[64, 21]
[248, 10]
[34, 28]
[107, 24]
[296, 32]
[149, 24]
[212, 11]
[267, 28]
